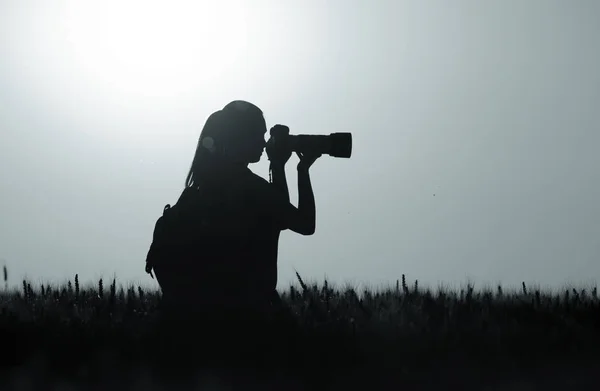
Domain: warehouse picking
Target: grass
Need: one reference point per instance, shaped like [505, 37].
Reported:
[399, 331]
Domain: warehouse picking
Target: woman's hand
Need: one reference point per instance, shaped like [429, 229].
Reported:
[307, 160]
[279, 154]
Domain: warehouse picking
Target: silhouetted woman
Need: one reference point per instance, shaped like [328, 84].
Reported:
[234, 218]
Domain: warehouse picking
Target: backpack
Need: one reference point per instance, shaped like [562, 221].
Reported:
[162, 241]
[173, 234]
[176, 256]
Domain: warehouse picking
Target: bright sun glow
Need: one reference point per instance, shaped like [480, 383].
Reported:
[155, 47]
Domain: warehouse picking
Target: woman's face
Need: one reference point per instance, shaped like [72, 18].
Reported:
[252, 145]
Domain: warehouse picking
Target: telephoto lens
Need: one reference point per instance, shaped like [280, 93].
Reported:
[335, 144]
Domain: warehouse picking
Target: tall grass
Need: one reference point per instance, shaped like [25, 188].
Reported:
[405, 326]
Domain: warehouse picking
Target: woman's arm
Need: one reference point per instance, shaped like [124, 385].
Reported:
[301, 220]
[306, 203]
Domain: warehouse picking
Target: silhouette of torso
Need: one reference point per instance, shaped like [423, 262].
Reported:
[231, 258]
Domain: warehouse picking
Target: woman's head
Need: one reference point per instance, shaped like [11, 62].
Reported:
[244, 139]
[234, 135]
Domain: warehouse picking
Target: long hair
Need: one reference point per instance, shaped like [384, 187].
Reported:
[222, 129]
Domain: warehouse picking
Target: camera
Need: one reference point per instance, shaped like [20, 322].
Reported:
[334, 144]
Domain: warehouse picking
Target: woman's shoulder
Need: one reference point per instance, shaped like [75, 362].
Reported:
[261, 190]
[256, 182]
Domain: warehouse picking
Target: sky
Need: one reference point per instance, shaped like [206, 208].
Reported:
[475, 132]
